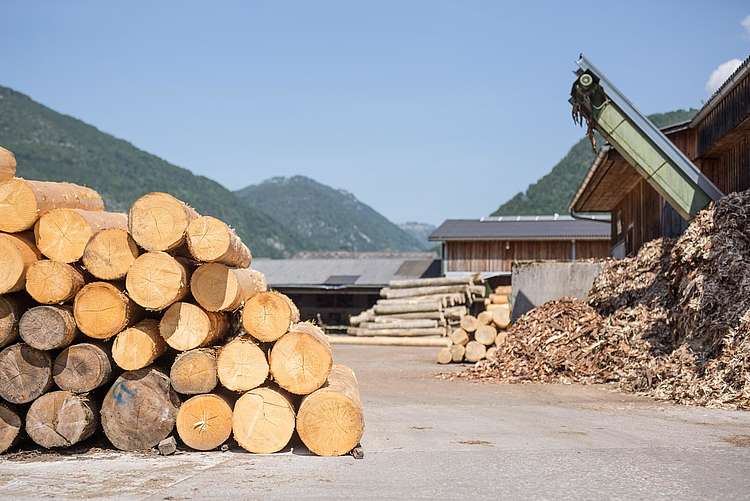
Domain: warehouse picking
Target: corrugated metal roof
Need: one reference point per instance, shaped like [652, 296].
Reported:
[542, 228]
[723, 89]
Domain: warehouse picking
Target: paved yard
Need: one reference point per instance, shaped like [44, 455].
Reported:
[428, 438]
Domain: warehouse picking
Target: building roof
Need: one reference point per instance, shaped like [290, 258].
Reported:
[522, 228]
[722, 91]
[343, 273]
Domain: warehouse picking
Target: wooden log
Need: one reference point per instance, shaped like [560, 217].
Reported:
[499, 299]
[204, 422]
[138, 346]
[186, 326]
[330, 421]
[10, 314]
[25, 373]
[430, 282]
[157, 280]
[11, 425]
[7, 167]
[457, 352]
[102, 310]
[423, 342]
[217, 287]
[241, 365]
[158, 221]
[475, 351]
[82, 367]
[428, 306]
[139, 410]
[469, 323]
[400, 324]
[48, 327]
[426, 331]
[22, 202]
[459, 336]
[301, 359]
[210, 240]
[501, 339]
[491, 353]
[420, 291]
[501, 318]
[504, 289]
[444, 356]
[495, 307]
[484, 317]
[50, 282]
[110, 253]
[479, 291]
[61, 419]
[17, 252]
[263, 420]
[485, 334]
[424, 315]
[455, 312]
[269, 315]
[62, 234]
[194, 372]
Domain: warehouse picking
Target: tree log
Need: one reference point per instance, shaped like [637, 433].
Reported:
[269, 315]
[48, 327]
[444, 356]
[421, 291]
[110, 253]
[138, 346]
[82, 367]
[241, 365]
[501, 339]
[25, 373]
[217, 287]
[457, 352]
[424, 315]
[400, 324]
[204, 422]
[426, 331]
[11, 425]
[10, 314]
[501, 318]
[301, 359]
[498, 298]
[485, 334]
[428, 306]
[157, 280]
[504, 289]
[484, 317]
[61, 419]
[212, 241]
[491, 353]
[430, 282]
[263, 420]
[22, 202]
[330, 420]
[459, 336]
[194, 372]
[475, 351]
[351, 339]
[7, 171]
[140, 409]
[186, 326]
[17, 252]
[469, 323]
[62, 234]
[50, 282]
[102, 310]
[158, 221]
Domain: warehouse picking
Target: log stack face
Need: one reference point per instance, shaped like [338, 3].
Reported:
[139, 326]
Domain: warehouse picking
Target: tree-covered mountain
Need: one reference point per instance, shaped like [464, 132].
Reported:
[326, 218]
[420, 231]
[553, 192]
[55, 147]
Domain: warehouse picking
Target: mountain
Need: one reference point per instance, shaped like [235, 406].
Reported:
[553, 192]
[54, 147]
[326, 218]
[420, 231]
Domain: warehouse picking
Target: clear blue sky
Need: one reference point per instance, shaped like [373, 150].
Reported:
[423, 109]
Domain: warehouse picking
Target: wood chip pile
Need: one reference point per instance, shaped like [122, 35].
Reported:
[672, 322]
[136, 325]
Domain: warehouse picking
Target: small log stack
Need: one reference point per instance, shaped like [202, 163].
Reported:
[140, 325]
[477, 337]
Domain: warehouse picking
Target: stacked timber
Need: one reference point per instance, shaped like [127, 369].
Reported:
[138, 325]
[419, 307]
[478, 337]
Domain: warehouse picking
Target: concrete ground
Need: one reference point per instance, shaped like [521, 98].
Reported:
[429, 438]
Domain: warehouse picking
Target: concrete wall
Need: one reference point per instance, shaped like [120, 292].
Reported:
[536, 283]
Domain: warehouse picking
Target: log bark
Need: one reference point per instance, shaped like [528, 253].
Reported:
[10, 314]
[139, 410]
[444, 356]
[475, 351]
[469, 323]
[485, 334]
[110, 253]
[212, 241]
[48, 327]
[11, 425]
[217, 287]
[204, 422]
[83, 367]
[301, 359]
[420, 291]
[17, 252]
[194, 372]
[330, 421]
[138, 346]
[430, 282]
[22, 202]
[501, 318]
[269, 315]
[25, 373]
[62, 234]
[264, 420]
[427, 331]
[7, 167]
[186, 326]
[102, 310]
[457, 352]
[241, 365]
[400, 324]
[459, 336]
[428, 306]
[157, 280]
[484, 317]
[61, 419]
[158, 221]
[50, 282]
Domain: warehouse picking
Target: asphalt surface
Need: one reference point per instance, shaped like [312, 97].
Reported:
[430, 438]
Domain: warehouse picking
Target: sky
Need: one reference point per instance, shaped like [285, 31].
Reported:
[425, 110]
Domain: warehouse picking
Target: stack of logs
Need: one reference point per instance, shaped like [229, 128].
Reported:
[478, 337]
[419, 307]
[142, 322]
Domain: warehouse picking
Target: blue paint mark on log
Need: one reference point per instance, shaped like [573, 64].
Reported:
[121, 393]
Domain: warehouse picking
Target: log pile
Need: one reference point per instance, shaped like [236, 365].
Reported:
[136, 326]
[479, 337]
[419, 307]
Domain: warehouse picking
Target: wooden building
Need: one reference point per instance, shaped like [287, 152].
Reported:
[492, 244]
[716, 140]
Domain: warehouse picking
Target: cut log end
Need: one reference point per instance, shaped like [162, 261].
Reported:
[156, 280]
[11, 425]
[48, 327]
[458, 352]
[7, 166]
[263, 420]
[50, 282]
[158, 221]
[61, 419]
[218, 287]
[25, 373]
[138, 346]
[211, 240]
[485, 334]
[185, 326]
[10, 314]
[110, 253]
[102, 310]
[194, 372]
[268, 315]
[475, 351]
[17, 253]
[469, 323]
[204, 422]
[62, 234]
[444, 356]
[301, 359]
[82, 367]
[241, 365]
